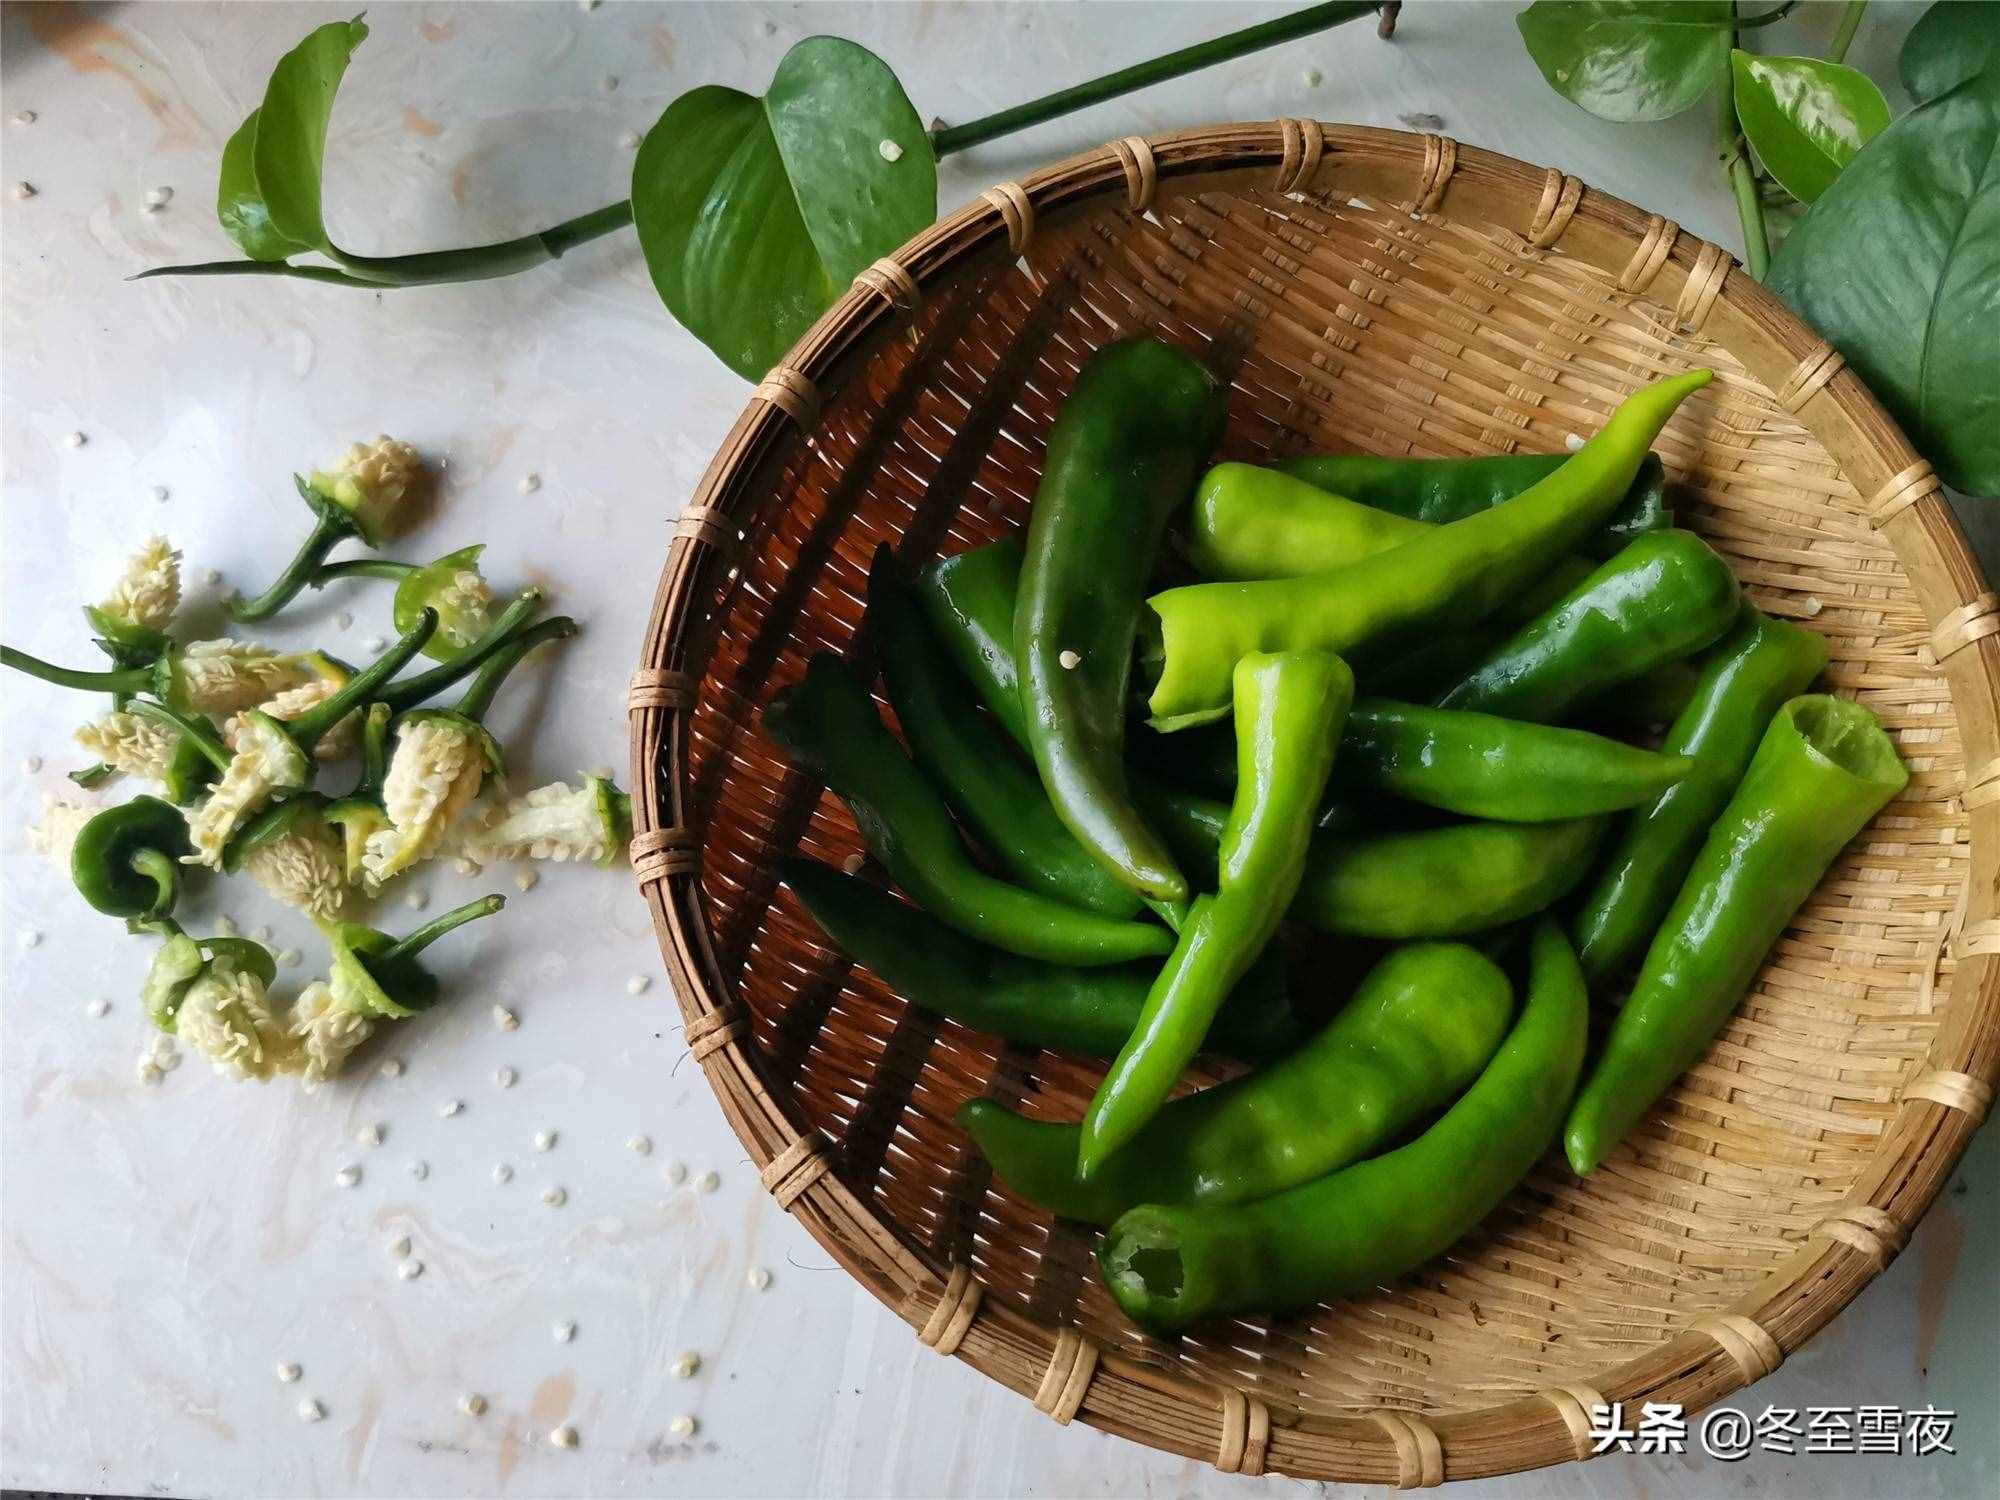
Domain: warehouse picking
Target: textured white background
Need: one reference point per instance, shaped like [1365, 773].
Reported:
[165, 1247]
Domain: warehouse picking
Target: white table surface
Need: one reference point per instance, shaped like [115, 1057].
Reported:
[163, 1248]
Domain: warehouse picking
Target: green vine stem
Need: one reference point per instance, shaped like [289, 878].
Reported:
[1850, 22]
[1734, 154]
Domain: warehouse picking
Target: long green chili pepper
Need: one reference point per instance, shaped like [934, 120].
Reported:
[1646, 704]
[1462, 572]
[1443, 490]
[969, 600]
[994, 790]
[1021, 1000]
[1170, 1266]
[1664, 597]
[1743, 680]
[828, 722]
[441, 585]
[1823, 769]
[1123, 456]
[126, 861]
[1289, 710]
[1443, 882]
[1418, 1030]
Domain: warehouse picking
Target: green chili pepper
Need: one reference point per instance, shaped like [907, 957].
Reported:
[828, 722]
[1442, 490]
[1751, 671]
[1451, 881]
[1822, 770]
[1666, 596]
[441, 585]
[367, 502]
[969, 599]
[1418, 1030]
[1289, 710]
[1462, 572]
[506, 631]
[1021, 1000]
[182, 960]
[1125, 452]
[126, 861]
[1649, 703]
[992, 788]
[1170, 1266]
[375, 974]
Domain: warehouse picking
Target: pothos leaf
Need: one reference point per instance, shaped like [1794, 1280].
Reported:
[1949, 44]
[1805, 118]
[1898, 263]
[1629, 59]
[756, 213]
[289, 142]
[239, 205]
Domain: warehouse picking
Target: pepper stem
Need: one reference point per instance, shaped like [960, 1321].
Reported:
[124, 680]
[192, 731]
[361, 567]
[414, 943]
[428, 684]
[486, 682]
[327, 530]
[307, 728]
[165, 873]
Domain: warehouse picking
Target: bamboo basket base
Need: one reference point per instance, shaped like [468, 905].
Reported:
[1383, 305]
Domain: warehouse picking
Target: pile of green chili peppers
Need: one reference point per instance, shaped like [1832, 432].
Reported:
[1374, 757]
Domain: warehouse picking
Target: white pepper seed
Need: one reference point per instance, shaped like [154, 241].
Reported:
[564, 1436]
[555, 1197]
[472, 1404]
[347, 1176]
[310, 1410]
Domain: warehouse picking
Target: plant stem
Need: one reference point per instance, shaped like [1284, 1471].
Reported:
[126, 680]
[1850, 22]
[1734, 154]
[328, 529]
[1766, 18]
[437, 927]
[1143, 75]
[197, 734]
[307, 729]
[483, 262]
[362, 567]
[479, 696]
[428, 684]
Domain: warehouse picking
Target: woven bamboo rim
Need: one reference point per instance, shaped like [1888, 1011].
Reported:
[1411, 295]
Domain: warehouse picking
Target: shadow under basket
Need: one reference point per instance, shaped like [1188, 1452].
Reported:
[1370, 291]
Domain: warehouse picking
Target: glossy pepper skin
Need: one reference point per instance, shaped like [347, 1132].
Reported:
[1443, 490]
[1445, 882]
[969, 600]
[1462, 572]
[1420, 1027]
[828, 721]
[993, 789]
[1664, 597]
[1126, 450]
[1170, 1266]
[1746, 677]
[1020, 1000]
[1823, 769]
[1249, 522]
[126, 860]
[1289, 710]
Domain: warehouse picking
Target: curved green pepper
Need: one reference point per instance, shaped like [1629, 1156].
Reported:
[1289, 709]
[126, 861]
[1419, 1029]
[1443, 490]
[1170, 1266]
[828, 721]
[1125, 452]
[1751, 671]
[969, 599]
[1428, 883]
[374, 974]
[995, 791]
[1020, 1000]
[1666, 596]
[1463, 571]
[1822, 770]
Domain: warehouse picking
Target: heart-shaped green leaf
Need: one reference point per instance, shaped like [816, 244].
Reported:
[1806, 118]
[1629, 59]
[239, 204]
[756, 213]
[1898, 264]
[1951, 42]
[289, 142]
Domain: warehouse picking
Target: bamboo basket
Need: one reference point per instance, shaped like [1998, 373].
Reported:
[1389, 293]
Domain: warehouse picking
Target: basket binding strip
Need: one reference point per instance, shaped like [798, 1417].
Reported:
[1412, 295]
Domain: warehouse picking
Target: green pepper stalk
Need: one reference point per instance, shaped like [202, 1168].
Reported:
[452, 586]
[277, 753]
[360, 813]
[1172, 1265]
[441, 760]
[374, 974]
[126, 861]
[1419, 1028]
[1289, 710]
[215, 677]
[365, 495]
[408, 692]
[1823, 769]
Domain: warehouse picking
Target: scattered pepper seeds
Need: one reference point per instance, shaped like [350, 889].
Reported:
[530, 483]
[525, 878]
[1070, 660]
[555, 1197]
[99, 1009]
[708, 1182]
[399, 1247]
[287, 1373]
[564, 1436]
[504, 1077]
[686, 1365]
[450, 1107]
[24, 190]
[310, 1410]
[160, 493]
[675, 1172]
[417, 900]
[410, 1270]
[682, 1426]
[420, 1170]
[289, 957]
[643, 1145]
[32, 938]
[472, 1404]
[758, 1278]
[502, 1173]
[369, 1135]
[890, 150]
[504, 1018]
[348, 1176]
[564, 1332]
[638, 984]
[545, 1140]
[392, 1068]
[32, 764]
